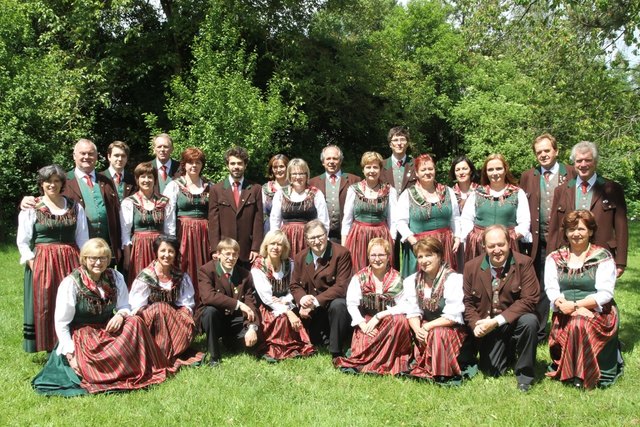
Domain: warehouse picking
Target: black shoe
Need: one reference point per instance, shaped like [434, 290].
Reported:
[524, 387]
[578, 383]
[214, 363]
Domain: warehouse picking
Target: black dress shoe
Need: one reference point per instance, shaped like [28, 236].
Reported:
[578, 383]
[214, 363]
[524, 387]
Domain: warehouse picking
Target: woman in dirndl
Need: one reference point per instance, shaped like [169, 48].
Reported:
[48, 239]
[277, 168]
[427, 209]
[296, 204]
[143, 217]
[368, 211]
[189, 194]
[164, 297]
[579, 281]
[100, 346]
[283, 332]
[465, 176]
[497, 200]
[376, 301]
[443, 351]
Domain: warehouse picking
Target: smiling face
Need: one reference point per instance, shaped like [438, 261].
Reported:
[96, 264]
[117, 159]
[193, 168]
[426, 173]
[316, 240]
[585, 164]
[545, 153]
[332, 162]
[371, 171]
[497, 247]
[85, 156]
[462, 172]
[146, 182]
[228, 258]
[166, 255]
[236, 167]
[399, 145]
[378, 258]
[496, 171]
[279, 170]
[579, 235]
[429, 262]
[162, 148]
[52, 186]
[298, 179]
[274, 250]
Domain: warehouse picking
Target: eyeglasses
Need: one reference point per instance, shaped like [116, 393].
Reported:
[94, 259]
[232, 255]
[378, 255]
[298, 174]
[319, 237]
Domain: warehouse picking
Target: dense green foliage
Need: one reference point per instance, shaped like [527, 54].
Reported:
[472, 76]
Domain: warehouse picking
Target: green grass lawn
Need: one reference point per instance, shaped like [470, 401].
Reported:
[247, 392]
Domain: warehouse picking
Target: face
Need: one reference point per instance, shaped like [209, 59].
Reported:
[428, 262]
[316, 240]
[163, 148]
[96, 264]
[331, 162]
[117, 158]
[579, 235]
[193, 167]
[378, 257]
[298, 178]
[236, 167]
[85, 156]
[228, 258]
[427, 172]
[585, 165]
[279, 169]
[146, 181]
[166, 254]
[274, 250]
[497, 247]
[399, 145]
[495, 171]
[52, 186]
[545, 153]
[462, 172]
[372, 171]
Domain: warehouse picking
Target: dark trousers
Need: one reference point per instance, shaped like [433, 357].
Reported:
[542, 309]
[508, 343]
[229, 327]
[330, 325]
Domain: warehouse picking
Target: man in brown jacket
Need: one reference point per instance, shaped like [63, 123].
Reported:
[319, 287]
[235, 208]
[500, 296]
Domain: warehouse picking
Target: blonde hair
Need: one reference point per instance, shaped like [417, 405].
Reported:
[227, 243]
[94, 247]
[297, 164]
[275, 236]
[370, 157]
[379, 241]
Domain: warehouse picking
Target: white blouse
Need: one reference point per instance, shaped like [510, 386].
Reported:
[402, 216]
[26, 220]
[265, 292]
[139, 294]
[453, 298]
[275, 218]
[126, 219]
[354, 296]
[349, 203]
[66, 309]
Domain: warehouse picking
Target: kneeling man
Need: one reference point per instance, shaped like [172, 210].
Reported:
[500, 296]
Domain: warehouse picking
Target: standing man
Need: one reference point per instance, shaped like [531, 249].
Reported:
[540, 183]
[334, 184]
[118, 155]
[166, 166]
[500, 296]
[319, 287]
[603, 197]
[235, 208]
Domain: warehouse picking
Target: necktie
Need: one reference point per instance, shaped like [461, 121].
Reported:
[583, 186]
[88, 180]
[499, 271]
[400, 163]
[236, 193]
[333, 178]
[547, 176]
[163, 171]
[116, 178]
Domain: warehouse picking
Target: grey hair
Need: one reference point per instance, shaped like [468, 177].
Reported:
[45, 174]
[312, 225]
[331, 146]
[85, 141]
[583, 146]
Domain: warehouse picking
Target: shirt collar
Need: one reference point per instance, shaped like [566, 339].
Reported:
[591, 181]
[159, 164]
[113, 172]
[554, 169]
[231, 181]
[80, 174]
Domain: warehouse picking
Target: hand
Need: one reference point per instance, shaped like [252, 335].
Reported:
[250, 338]
[307, 302]
[28, 202]
[456, 245]
[305, 313]
[295, 321]
[277, 300]
[253, 255]
[115, 323]
[566, 307]
[484, 326]
[619, 272]
[369, 328]
[412, 240]
[421, 334]
[584, 312]
[30, 264]
[73, 363]
[247, 312]
[215, 256]
[518, 236]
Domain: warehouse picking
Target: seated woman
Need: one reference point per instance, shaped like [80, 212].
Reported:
[98, 350]
[283, 332]
[164, 297]
[442, 352]
[579, 281]
[381, 342]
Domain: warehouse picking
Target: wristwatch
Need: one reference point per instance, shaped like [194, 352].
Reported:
[253, 327]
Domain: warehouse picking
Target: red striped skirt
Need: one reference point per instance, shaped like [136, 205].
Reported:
[141, 253]
[576, 341]
[445, 236]
[172, 330]
[438, 356]
[475, 246]
[358, 239]
[280, 340]
[126, 360]
[388, 352]
[52, 263]
[194, 247]
[295, 234]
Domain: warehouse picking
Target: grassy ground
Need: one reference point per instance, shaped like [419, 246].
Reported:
[246, 392]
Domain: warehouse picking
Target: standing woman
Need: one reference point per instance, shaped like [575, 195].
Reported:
[368, 210]
[296, 204]
[49, 236]
[189, 194]
[579, 281]
[435, 313]
[143, 216]
[164, 297]
[277, 179]
[427, 209]
[376, 301]
[497, 200]
[100, 346]
[283, 332]
[463, 173]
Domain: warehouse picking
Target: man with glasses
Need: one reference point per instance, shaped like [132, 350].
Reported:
[319, 287]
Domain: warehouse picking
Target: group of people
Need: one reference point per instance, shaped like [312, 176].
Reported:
[418, 276]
